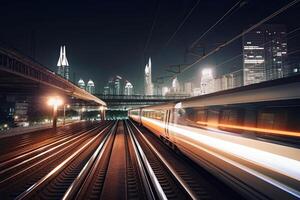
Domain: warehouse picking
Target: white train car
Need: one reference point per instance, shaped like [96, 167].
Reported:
[249, 137]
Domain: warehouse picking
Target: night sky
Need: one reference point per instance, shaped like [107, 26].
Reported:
[107, 38]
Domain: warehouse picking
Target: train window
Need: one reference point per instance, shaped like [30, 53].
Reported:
[201, 115]
[134, 112]
[190, 116]
[266, 120]
[213, 117]
[180, 116]
[275, 118]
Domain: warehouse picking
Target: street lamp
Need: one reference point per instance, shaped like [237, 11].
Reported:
[82, 111]
[55, 102]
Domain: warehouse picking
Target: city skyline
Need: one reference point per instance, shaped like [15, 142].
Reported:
[91, 53]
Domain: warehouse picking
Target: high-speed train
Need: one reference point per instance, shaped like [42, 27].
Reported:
[249, 137]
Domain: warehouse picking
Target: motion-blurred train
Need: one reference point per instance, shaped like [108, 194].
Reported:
[249, 136]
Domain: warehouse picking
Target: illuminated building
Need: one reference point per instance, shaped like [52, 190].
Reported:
[115, 86]
[118, 85]
[175, 85]
[81, 84]
[164, 90]
[90, 87]
[276, 52]
[264, 54]
[128, 89]
[63, 65]
[148, 79]
[207, 81]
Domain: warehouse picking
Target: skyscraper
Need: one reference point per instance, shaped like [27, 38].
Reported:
[81, 84]
[264, 54]
[207, 81]
[276, 52]
[90, 87]
[118, 85]
[63, 65]
[148, 79]
[254, 57]
[175, 85]
[128, 88]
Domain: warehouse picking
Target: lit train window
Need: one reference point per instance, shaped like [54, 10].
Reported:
[213, 117]
[266, 120]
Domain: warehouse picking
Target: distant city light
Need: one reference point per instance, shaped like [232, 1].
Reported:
[207, 72]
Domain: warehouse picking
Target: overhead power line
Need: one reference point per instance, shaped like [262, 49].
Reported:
[241, 34]
[215, 24]
[152, 27]
[182, 23]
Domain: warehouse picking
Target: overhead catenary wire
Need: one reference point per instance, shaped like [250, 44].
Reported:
[182, 23]
[214, 25]
[287, 6]
[152, 27]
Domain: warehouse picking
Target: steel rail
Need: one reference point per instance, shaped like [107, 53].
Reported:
[146, 170]
[36, 186]
[168, 166]
[41, 149]
[89, 167]
[39, 155]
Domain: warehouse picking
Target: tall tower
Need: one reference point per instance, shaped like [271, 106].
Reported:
[148, 79]
[90, 87]
[128, 88]
[265, 54]
[63, 65]
[81, 84]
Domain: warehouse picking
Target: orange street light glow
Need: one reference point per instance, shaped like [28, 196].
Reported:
[55, 101]
[247, 128]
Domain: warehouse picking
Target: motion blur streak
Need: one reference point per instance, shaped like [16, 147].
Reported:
[251, 171]
[280, 164]
[247, 128]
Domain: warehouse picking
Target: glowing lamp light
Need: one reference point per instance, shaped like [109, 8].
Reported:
[207, 72]
[55, 101]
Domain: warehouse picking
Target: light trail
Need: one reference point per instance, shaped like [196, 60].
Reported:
[248, 128]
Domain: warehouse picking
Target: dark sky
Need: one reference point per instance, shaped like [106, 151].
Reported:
[106, 38]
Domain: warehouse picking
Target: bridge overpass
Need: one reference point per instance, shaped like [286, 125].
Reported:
[130, 101]
[20, 74]
[27, 86]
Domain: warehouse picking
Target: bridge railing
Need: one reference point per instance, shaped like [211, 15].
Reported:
[141, 97]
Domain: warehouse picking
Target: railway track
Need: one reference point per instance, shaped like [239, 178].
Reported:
[112, 160]
[17, 145]
[120, 169]
[197, 182]
[21, 172]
